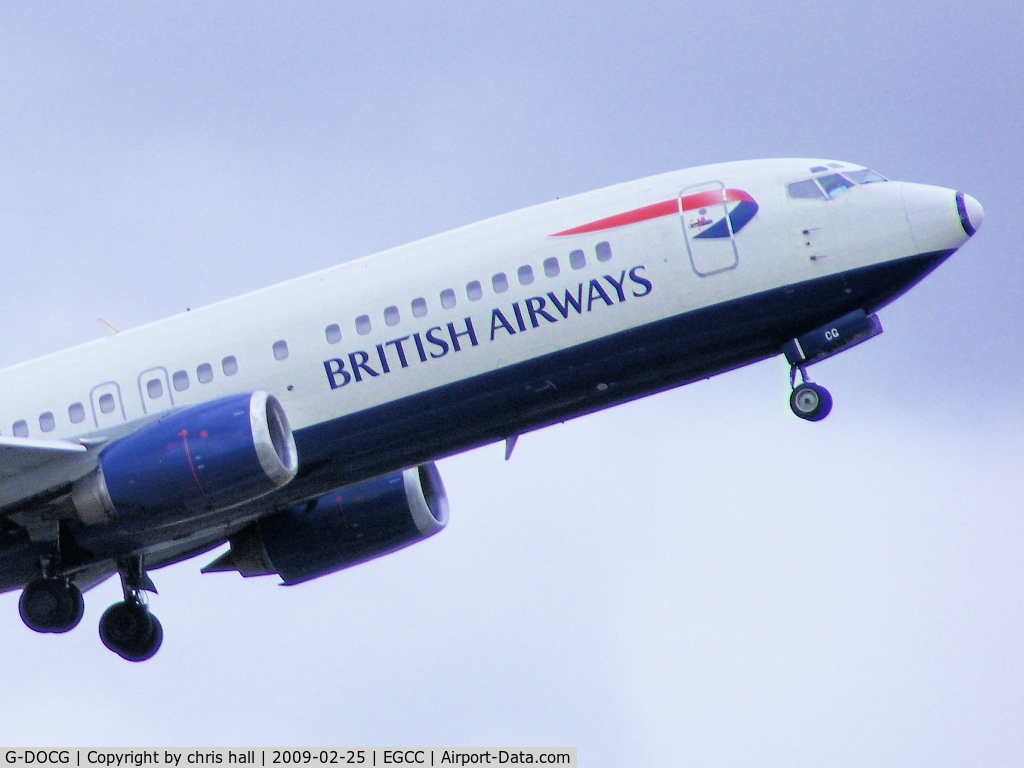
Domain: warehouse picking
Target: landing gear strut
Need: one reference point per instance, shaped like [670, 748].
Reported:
[128, 628]
[808, 400]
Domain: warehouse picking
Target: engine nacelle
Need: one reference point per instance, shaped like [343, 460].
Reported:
[208, 457]
[341, 529]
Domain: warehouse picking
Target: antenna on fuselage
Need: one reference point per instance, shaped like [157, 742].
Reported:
[510, 445]
[109, 329]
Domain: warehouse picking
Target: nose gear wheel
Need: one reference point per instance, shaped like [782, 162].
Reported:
[810, 401]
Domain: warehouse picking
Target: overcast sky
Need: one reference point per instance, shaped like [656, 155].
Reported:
[698, 578]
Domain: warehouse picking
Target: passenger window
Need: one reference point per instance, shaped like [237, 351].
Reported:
[419, 307]
[179, 380]
[499, 283]
[525, 275]
[204, 373]
[76, 412]
[834, 184]
[577, 259]
[155, 389]
[46, 422]
[604, 251]
[106, 403]
[391, 316]
[474, 291]
[363, 325]
[806, 190]
[447, 298]
[280, 350]
[333, 333]
[20, 428]
[229, 365]
[551, 267]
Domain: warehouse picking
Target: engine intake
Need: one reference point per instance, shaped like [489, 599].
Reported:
[210, 456]
[343, 528]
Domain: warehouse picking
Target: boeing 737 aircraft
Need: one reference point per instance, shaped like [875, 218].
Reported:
[300, 423]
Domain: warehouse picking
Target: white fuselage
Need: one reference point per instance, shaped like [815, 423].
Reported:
[346, 340]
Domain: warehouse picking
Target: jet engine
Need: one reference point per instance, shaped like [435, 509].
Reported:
[343, 528]
[208, 457]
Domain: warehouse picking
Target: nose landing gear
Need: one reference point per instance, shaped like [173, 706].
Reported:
[811, 401]
[808, 400]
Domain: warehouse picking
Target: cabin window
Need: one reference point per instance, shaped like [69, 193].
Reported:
[474, 291]
[155, 389]
[577, 259]
[179, 380]
[204, 373]
[229, 365]
[363, 325]
[419, 307]
[525, 274]
[47, 422]
[20, 428]
[604, 251]
[280, 350]
[333, 333]
[392, 316]
[76, 412]
[806, 190]
[499, 283]
[551, 267]
[107, 403]
[447, 298]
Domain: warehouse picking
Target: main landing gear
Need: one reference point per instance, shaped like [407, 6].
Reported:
[128, 628]
[54, 604]
[808, 400]
[51, 605]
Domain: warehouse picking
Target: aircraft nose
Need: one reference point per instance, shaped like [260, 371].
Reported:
[940, 219]
[971, 213]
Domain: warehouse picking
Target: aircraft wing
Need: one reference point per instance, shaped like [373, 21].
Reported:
[18, 454]
[29, 466]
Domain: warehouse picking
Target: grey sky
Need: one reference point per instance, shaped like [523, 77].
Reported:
[694, 579]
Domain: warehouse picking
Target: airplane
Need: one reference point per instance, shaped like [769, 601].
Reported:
[300, 423]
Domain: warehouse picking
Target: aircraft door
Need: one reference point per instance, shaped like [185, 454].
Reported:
[155, 390]
[107, 406]
[708, 230]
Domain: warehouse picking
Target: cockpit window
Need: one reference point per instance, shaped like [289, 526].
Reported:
[806, 189]
[834, 184]
[865, 176]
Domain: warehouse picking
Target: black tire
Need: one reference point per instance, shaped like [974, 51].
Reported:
[131, 631]
[51, 605]
[811, 402]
